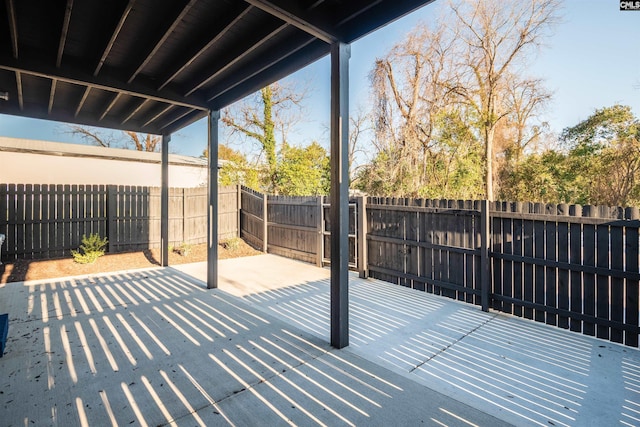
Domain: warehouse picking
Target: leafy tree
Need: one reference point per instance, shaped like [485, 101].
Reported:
[304, 171]
[540, 177]
[600, 164]
[604, 152]
[235, 168]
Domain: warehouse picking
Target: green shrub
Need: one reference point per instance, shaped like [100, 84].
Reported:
[232, 244]
[183, 250]
[90, 250]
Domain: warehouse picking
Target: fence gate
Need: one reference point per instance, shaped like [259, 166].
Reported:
[354, 259]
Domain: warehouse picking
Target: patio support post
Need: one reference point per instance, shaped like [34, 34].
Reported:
[340, 53]
[164, 202]
[212, 218]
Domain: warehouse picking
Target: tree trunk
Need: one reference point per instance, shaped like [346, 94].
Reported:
[489, 133]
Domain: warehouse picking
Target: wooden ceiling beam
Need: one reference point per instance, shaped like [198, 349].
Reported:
[110, 105]
[274, 57]
[114, 36]
[290, 12]
[64, 32]
[234, 58]
[158, 115]
[52, 94]
[71, 73]
[163, 39]
[213, 40]
[133, 112]
[82, 101]
[13, 27]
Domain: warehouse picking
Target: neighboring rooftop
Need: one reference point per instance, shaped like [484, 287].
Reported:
[18, 145]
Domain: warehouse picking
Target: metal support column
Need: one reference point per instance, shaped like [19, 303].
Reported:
[164, 202]
[212, 218]
[340, 53]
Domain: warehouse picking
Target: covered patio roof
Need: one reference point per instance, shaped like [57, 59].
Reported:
[155, 66]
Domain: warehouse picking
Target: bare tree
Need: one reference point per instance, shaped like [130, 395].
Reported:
[443, 90]
[145, 142]
[496, 37]
[359, 127]
[114, 139]
[410, 91]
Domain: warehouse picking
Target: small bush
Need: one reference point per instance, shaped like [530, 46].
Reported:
[232, 244]
[183, 250]
[90, 250]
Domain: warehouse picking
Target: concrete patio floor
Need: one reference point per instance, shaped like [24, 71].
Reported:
[154, 347]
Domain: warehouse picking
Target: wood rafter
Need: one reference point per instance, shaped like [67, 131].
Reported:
[174, 120]
[114, 36]
[290, 12]
[142, 103]
[110, 105]
[248, 73]
[20, 94]
[38, 68]
[13, 27]
[82, 101]
[65, 30]
[237, 58]
[186, 63]
[163, 39]
[158, 115]
[52, 94]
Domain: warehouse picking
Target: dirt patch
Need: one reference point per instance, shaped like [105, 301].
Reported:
[24, 269]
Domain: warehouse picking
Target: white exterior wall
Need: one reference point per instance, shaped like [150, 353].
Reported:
[60, 168]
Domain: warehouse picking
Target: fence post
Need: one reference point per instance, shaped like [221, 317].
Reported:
[265, 224]
[112, 214]
[185, 237]
[239, 208]
[361, 234]
[485, 242]
[320, 229]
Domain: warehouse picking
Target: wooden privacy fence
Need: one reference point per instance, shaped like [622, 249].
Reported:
[430, 245]
[287, 226]
[570, 266]
[575, 267]
[47, 221]
[294, 227]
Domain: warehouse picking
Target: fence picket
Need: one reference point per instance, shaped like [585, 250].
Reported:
[576, 257]
[550, 282]
[632, 300]
[616, 251]
[602, 281]
[518, 240]
[584, 301]
[563, 273]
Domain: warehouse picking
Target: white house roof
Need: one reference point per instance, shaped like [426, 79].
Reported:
[18, 145]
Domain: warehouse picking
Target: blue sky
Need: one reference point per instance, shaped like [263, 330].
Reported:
[591, 61]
